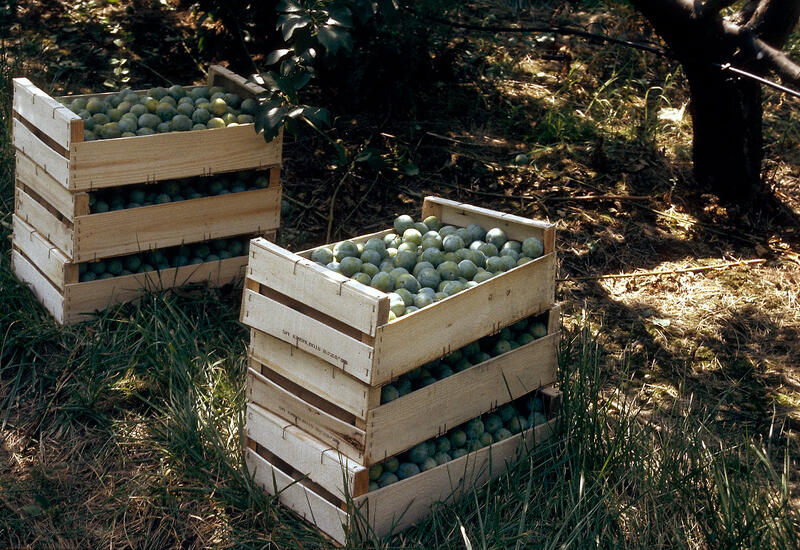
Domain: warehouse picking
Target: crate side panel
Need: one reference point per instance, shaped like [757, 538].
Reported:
[36, 178]
[397, 506]
[43, 254]
[42, 154]
[311, 372]
[325, 290]
[306, 503]
[461, 215]
[463, 318]
[308, 334]
[136, 229]
[345, 438]
[83, 299]
[309, 456]
[220, 76]
[51, 117]
[48, 295]
[45, 222]
[140, 159]
[432, 410]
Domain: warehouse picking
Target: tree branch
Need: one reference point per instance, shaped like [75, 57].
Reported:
[762, 54]
[773, 20]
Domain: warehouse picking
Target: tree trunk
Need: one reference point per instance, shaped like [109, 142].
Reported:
[727, 141]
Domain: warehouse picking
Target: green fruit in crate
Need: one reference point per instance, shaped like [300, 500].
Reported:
[98, 267]
[428, 464]
[382, 281]
[345, 249]
[474, 445]
[218, 107]
[387, 478]
[185, 109]
[406, 259]
[501, 347]
[95, 105]
[447, 230]
[467, 269]
[442, 458]
[180, 123]
[362, 278]
[448, 271]
[524, 339]
[403, 222]
[419, 453]
[534, 404]
[423, 300]
[537, 330]
[502, 434]
[495, 264]
[480, 357]
[419, 266]
[488, 250]
[444, 372]
[451, 243]
[462, 365]
[408, 282]
[453, 287]
[371, 256]
[516, 424]
[138, 110]
[176, 91]
[493, 423]
[507, 412]
[349, 266]
[512, 253]
[486, 439]
[163, 128]
[458, 438]
[375, 472]
[404, 387]
[407, 469]
[433, 223]
[509, 262]
[369, 269]
[476, 232]
[88, 276]
[248, 106]
[496, 236]
[110, 130]
[105, 275]
[443, 445]
[405, 295]
[164, 110]
[236, 248]
[391, 464]
[201, 92]
[412, 236]
[133, 263]
[474, 428]
[431, 240]
[458, 453]
[431, 255]
[233, 100]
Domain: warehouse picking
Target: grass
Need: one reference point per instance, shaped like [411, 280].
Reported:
[125, 431]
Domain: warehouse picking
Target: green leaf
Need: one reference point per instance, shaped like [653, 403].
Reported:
[317, 116]
[301, 79]
[333, 38]
[288, 6]
[289, 23]
[341, 16]
[275, 56]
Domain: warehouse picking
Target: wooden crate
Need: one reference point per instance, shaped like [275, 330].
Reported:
[51, 135]
[327, 489]
[53, 278]
[346, 323]
[56, 171]
[346, 414]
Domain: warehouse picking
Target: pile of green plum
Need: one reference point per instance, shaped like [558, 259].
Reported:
[424, 262]
[520, 333]
[508, 420]
[164, 258]
[160, 110]
[132, 196]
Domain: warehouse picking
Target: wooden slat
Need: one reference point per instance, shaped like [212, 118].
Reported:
[432, 410]
[50, 160]
[311, 372]
[323, 289]
[220, 76]
[36, 178]
[461, 215]
[554, 319]
[46, 257]
[303, 501]
[44, 221]
[48, 295]
[48, 115]
[83, 299]
[321, 464]
[456, 321]
[395, 507]
[340, 435]
[308, 334]
[123, 161]
[136, 229]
